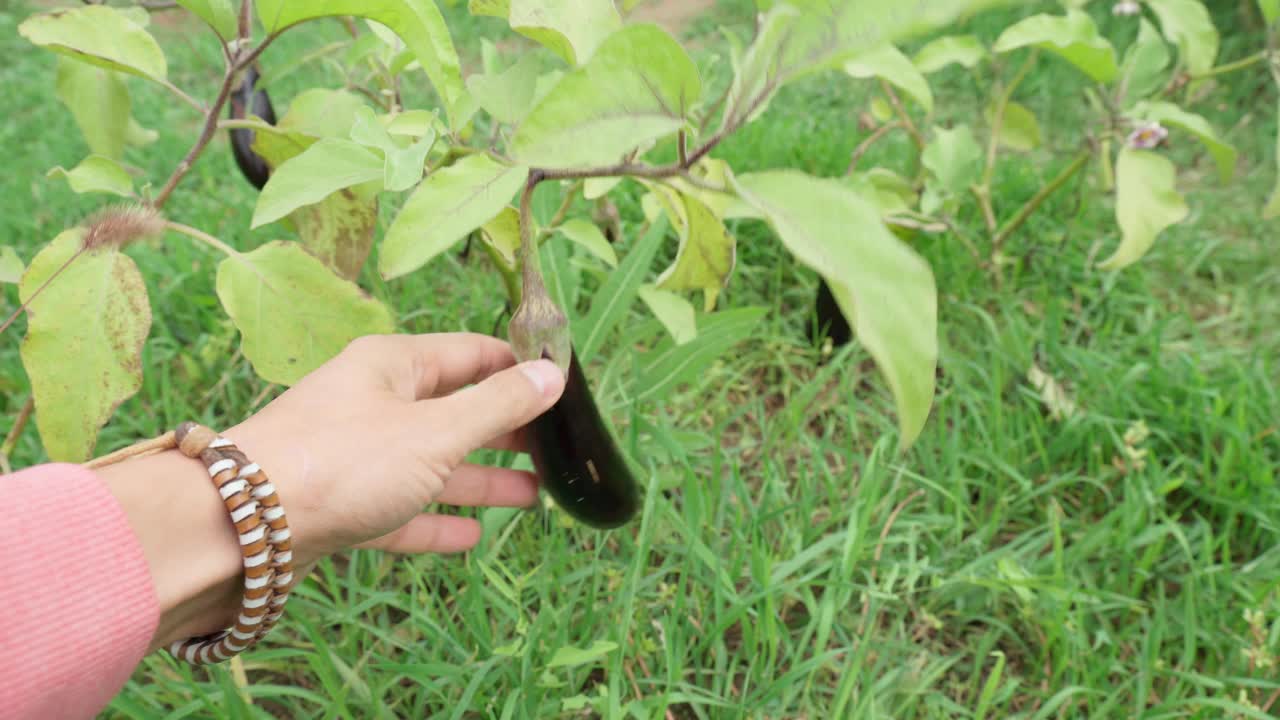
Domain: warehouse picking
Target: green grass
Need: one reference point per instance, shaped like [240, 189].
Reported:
[789, 563]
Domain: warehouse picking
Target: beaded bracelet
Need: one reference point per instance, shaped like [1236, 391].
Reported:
[259, 519]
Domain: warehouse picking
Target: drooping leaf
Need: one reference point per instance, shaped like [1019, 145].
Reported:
[569, 656]
[669, 364]
[339, 229]
[218, 14]
[887, 62]
[954, 157]
[293, 313]
[1187, 24]
[587, 236]
[99, 101]
[1019, 130]
[706, 254]
[1166, 113]
[99, 35]
[1145, 63]
[1147, 202]
[83, 348]
[507, 95]
[614, 298]
[674, 312]
[638, 86]
[572, 29]
[96, 173]
[11, 267]
[964, 50]
[447, 205]
[882, 286]
[402, 166]
[502, 233]
[417, 22]
[1073, 36]
[321, 170]
[1272, 208]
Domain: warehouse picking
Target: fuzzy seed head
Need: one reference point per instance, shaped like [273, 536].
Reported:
[115, 227]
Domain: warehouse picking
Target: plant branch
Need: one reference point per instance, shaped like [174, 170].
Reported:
[682, 148]
[11, 440]
[203, 237]
[866, 144]
[530, 266]
[903, 117]
[633, 169]
[183, 96]
[1230, 67]
[1038, 199]
[997, 122]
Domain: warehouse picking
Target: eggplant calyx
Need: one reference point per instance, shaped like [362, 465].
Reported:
[539, 329]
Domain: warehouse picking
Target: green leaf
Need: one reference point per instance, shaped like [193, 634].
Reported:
[339, 229]
[1145, 63]
[321, 170]
[887, 62]
[598, 187]
[1147, 202]
[507, 95]
[1166, 113]
[138, 136]
[1270, 10]
[493, 8]
[674, 312]
[572, 29]
[293, 313]
[1019, 130]
[417, 22]
[964, 50]
[321, 112]
[705, 257]
[588, 236]
[96, 173]
[83, 347]
[1074, 36]
[614, 298]
[1187, 24]
[99, 35]
[447, 205]
[1272, 208]
[569, 656]
[502, 233]
[954, 157]
[402, 166]
[218, 14]
[670, 364]
[638, 86]
[892, 192]
[883, 287]
[99, 101]
[11, 267]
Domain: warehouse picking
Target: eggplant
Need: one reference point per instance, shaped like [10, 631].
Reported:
[248, 100]
[577, 459]
[830, 322]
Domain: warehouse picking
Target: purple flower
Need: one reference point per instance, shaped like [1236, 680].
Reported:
[1147, 136]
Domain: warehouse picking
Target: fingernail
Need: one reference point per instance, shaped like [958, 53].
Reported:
[542, 373]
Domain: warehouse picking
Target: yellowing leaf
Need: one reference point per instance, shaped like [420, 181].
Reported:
[293, 313]
[83, 348]
[706, 255]
[1073, 36]
[447, 205]
[1147, 202]
[99, 35]
[339, 229]
[572, 29]
[96, 173]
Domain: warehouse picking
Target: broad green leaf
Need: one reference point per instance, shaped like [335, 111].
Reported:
[670, 364]
[887, 62]
[881, 285]
[706, 254]
[218, 14]
[1019, 130]
[892, 192]
[507, 95]
[954, 157]
[322, 112]
[1187, 24]
[1166, 113]
[97, 173]
[415, 123]
[1145, 63]
[569, 656]
[598, 187]
[417, 22]
[99, 101]
[1074, 36]
[963, 50]
[447, 205]
[321, 170]
[588, 237]
[638, 86]
[614, 298]
[99, 35]
[674, 312]
[1272, 209]
[83, 347]
[11, 267]
[138, 136]
[1270, 10]
[339, 229]
[572, 29]
[1147, 202]
[293, 313]
[502, 233]
[402, 166]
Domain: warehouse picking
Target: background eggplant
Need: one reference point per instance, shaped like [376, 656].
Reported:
[246, 101]
[578, 461]
[830, 321]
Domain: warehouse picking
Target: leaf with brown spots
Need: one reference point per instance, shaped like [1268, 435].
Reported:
[83, 348]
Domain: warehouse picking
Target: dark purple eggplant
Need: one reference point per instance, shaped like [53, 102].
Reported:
[578, 461]
[829, 321]
[246, 101]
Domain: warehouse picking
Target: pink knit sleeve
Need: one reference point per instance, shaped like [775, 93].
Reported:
[77, 601]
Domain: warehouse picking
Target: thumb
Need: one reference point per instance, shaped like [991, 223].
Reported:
[502, 403]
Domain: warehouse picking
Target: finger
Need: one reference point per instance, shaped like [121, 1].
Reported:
[428, 533]
[480, 485]
[500, 405]
[516, 441]
[421, 366]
